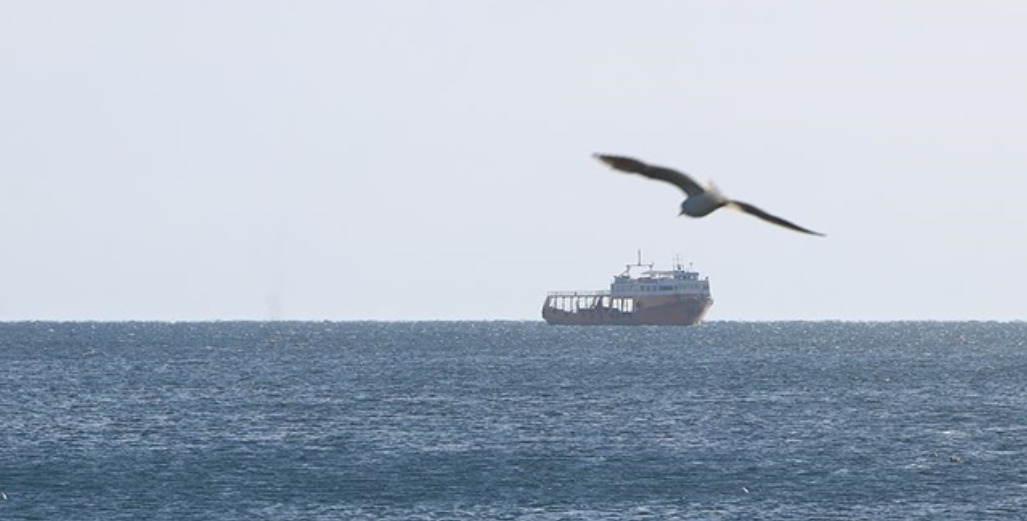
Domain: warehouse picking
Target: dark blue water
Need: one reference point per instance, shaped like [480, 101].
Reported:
[298, 421]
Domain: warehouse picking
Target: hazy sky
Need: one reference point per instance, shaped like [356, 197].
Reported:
[194, 160]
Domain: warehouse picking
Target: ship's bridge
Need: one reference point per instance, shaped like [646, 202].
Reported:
[653, 282]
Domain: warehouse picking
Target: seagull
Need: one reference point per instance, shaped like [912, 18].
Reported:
[700, 200]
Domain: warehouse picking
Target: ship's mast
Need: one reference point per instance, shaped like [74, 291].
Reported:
[637, 264]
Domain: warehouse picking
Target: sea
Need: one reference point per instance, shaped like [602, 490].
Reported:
[513, 421]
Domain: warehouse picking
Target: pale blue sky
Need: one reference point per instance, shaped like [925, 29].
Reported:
[431, 160]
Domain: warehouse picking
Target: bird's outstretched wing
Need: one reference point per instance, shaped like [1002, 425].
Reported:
[627, 164]
[752, 210]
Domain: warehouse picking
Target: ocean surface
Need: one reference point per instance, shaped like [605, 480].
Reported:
[512, 420]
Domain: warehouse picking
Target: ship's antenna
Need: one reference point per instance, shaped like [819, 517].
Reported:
[640, 256]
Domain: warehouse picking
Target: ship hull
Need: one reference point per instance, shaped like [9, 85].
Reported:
[677, 311]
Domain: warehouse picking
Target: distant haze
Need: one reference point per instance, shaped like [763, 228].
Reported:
[432, 160]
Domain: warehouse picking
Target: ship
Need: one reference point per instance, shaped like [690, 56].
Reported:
[675, 297]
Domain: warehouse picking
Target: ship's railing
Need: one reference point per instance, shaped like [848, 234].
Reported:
[594, 293]
[576, 301]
